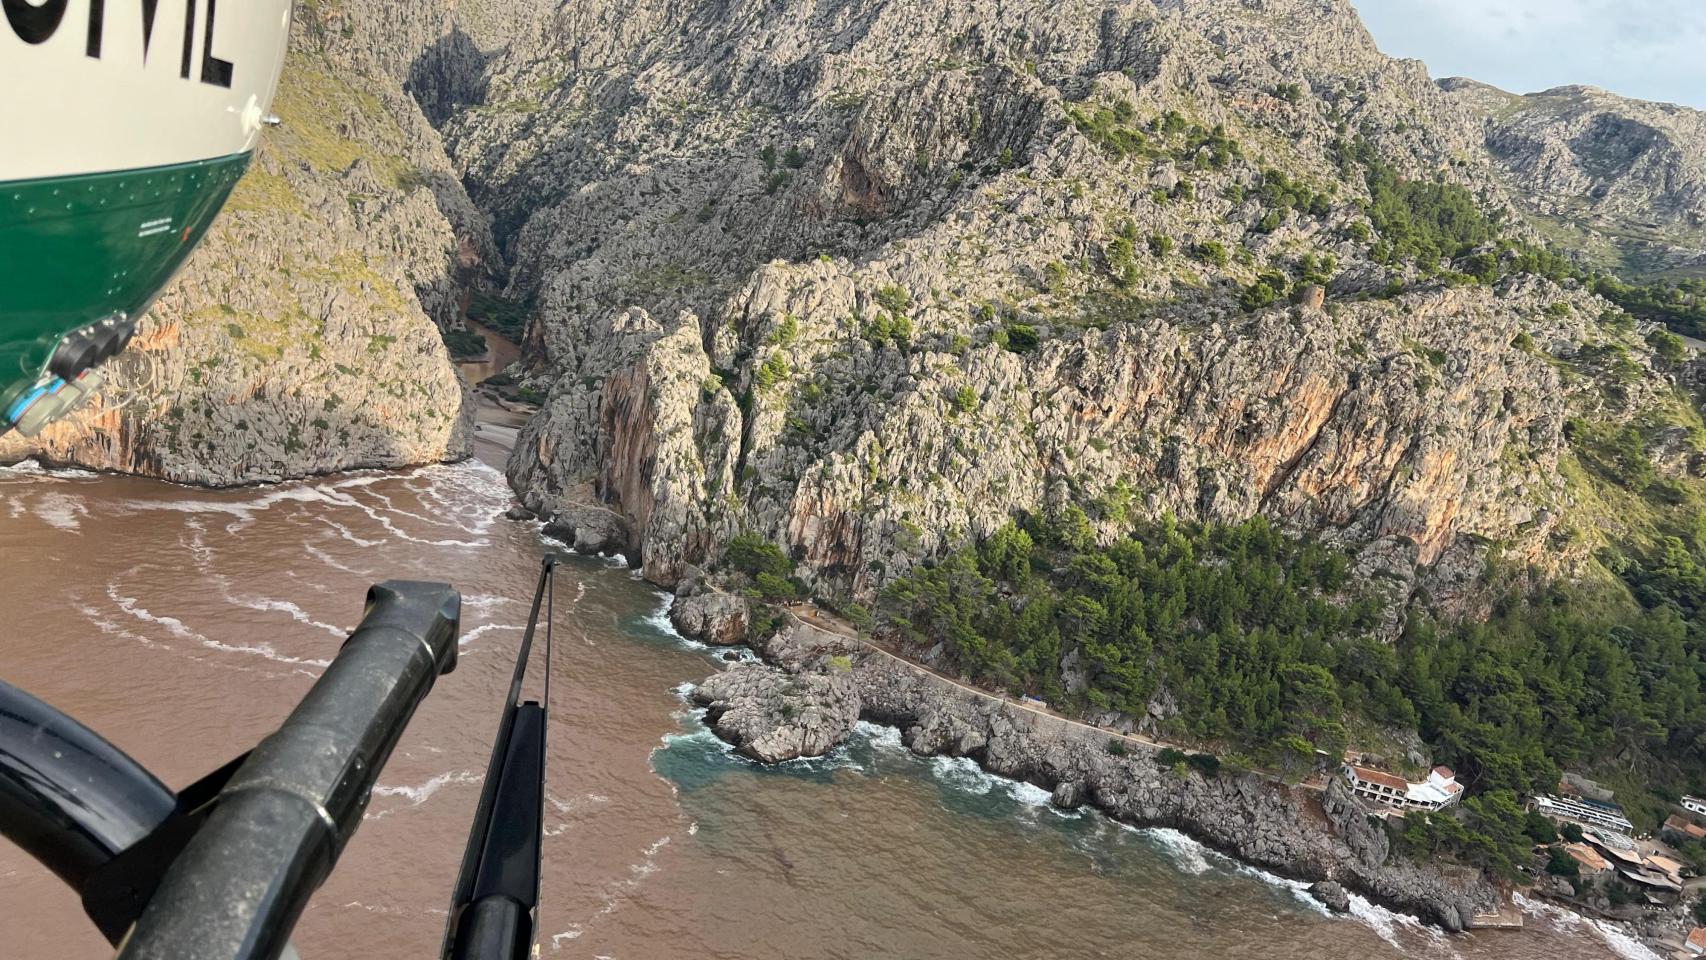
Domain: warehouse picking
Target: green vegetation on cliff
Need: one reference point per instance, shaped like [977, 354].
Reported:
[1262, 643]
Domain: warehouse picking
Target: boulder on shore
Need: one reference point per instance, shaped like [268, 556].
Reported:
[1068, 794]
[1331, 895]
[771, 715]
[712, 616]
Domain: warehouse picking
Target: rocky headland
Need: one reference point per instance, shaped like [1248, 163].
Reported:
[816, 684]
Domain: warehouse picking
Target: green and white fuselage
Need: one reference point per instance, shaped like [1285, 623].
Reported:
[124, 125]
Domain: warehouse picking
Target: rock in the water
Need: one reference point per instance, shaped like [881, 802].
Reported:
[518, 513]
[586, 529]
[1068, 794]
[1331, 895]
[771, 715]
[711, 616]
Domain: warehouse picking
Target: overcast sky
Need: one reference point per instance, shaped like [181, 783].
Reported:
[1652, 49]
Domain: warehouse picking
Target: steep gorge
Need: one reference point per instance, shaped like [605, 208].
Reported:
[867, 278]
[788, 263]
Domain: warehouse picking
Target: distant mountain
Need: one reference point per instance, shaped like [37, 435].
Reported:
[1623, 181]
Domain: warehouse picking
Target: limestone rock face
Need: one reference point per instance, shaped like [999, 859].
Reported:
[712, 616]
[869, 280]
[771, 715]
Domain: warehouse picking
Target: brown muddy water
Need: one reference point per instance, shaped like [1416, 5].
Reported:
[183, 624]
[500, 353]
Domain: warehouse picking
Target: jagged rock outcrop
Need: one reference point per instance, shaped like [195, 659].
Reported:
[780, 291]
[1331, 895]
[710, 615]
[795, 707]
[771, 715]
[1628, 176]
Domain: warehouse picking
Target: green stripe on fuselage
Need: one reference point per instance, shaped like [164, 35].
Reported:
[76, 249]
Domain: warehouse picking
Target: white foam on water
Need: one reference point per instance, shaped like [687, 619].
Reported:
[33, 470]
[370, 908]
[700, 734]
[112, 629]
[129, 605]
[962, 773]
[1032, 795]
[481, 631]
[197, 543]
[343, 499]
[391, 507]
[879, 736]
[267, 651]
[348, 534]
[584, 800]
[1615, 937]
[659, 620]
[176, 628]
[573, 933]
[1187, 854]
[332, 561]
[420, 793]
[621, 890]
[1385, 923]
[684, 691]
[62, 511]
[483, 603]
[264, 605]
[243, 510]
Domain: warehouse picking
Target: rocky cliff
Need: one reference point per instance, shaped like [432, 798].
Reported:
[301, 337]
[867, 280]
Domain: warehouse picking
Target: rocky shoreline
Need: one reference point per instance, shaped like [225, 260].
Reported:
[815, 686]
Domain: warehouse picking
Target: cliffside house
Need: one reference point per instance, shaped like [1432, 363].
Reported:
[1658, 878]
[1659, 890]
[1696, 942]
[1670, 868]
[1439, 790]
[1588, 861]
[1582, 811]
[1677, 828]
[1694, 805]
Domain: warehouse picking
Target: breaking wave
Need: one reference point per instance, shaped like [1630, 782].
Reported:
[1618, 940]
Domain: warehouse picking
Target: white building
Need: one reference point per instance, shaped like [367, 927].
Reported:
[1440, 789]
[1591, 813]
[1694, 805]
